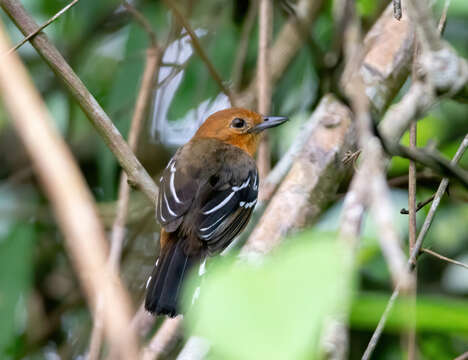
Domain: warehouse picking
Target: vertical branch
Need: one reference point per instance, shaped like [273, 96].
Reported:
[264, 85]
[199, 50]
[72, 202]
[73, 84]
[118, 228]
[411, 336]
[241, 52]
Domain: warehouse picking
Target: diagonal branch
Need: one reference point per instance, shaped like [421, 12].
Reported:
[73, 203]
[199, 49]
[414, 253]
[42, 27]
[136, 173]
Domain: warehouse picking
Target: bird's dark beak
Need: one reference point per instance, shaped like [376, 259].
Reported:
[268, 122]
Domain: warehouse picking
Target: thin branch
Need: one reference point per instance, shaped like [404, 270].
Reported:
[241, 52]
[73, 203]
[199, 49]
[412, 232]
[414, 253]
[42, 27]
[153, 57]
[136, 173]
[163, 339]
[442, 257]
[419, 206]
[264, 85]
[288, 42]
[143, 21]
[443, 17]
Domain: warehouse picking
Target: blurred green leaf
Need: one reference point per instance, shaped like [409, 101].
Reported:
[15, 279]
[277, 310]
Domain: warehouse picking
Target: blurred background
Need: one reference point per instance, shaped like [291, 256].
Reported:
[42, 309]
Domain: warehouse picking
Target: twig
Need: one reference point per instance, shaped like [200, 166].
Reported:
[242, 48]
[72, 201]
[419, 206]
[42, 27]
[118, 228]
[443, 17]
[143, 21]
[166, 335]
[285, 47]
[199, 49]
[136, 173]
[442, 257]
[412, 232]
[397, 9]
[414, 253]
[264, 85]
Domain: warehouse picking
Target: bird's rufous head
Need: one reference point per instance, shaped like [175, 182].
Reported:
[239, 127]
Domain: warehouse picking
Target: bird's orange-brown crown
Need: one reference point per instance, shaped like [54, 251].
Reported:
[237, 126]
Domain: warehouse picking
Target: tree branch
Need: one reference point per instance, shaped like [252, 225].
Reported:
[73, 204]
[199, 49]
[136, 173]
[42, 27]
[264, 85]
[414, 253]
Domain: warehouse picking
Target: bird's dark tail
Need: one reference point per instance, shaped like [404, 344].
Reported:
[164, 286]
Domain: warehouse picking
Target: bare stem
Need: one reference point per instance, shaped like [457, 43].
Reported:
[199, 49]
[136, 173]
[414, 253]
[118, 228]
[73, 203]
[442, 257]
[42, 27]
[264, 85]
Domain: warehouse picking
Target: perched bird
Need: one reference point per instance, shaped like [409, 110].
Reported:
[207, 194]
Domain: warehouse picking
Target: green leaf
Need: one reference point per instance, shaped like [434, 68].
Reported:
[15, 279]
[244, 309]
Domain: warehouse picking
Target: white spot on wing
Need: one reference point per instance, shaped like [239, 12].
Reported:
[220, 205]
[210, 226]
[244, 185]
[168, 207]
[147, 282]
[172, 187]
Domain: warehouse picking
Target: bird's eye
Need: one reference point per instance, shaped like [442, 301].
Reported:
[238, 123]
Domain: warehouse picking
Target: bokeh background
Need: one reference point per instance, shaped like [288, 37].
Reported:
[42, 309]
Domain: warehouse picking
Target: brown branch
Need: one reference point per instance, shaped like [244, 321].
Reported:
[264, 85]
[414, 253]
[410, 336]
[419, 206]
[153, 57]
[199, 50]
[73, 204]
[42, 27]
[442, 257]
[163, 339]
[241, 52]
[136, 173]
[143, 21]
[288, 42]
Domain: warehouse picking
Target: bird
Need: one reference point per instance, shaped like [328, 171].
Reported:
[207, 193]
